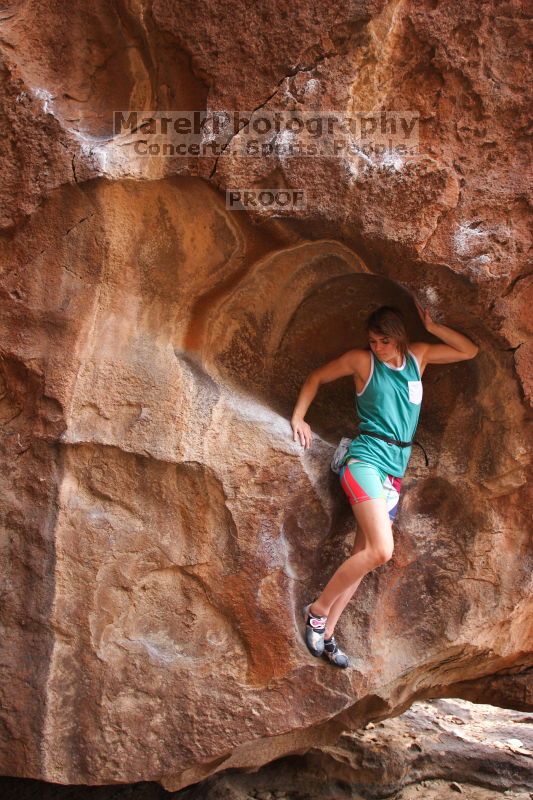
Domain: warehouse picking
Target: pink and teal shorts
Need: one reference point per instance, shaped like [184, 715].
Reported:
[362, 481]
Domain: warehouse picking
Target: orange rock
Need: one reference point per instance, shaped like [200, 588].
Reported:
[162, 529]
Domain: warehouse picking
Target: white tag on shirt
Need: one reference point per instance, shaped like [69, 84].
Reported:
[415, 392]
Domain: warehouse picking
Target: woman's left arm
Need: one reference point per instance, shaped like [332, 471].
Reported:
[456, 348]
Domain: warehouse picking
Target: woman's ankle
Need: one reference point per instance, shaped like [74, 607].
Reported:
[313, 609]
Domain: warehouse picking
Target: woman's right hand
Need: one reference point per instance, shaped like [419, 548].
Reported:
[302, 433]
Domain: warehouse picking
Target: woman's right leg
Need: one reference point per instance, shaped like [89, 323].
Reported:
[372, 517]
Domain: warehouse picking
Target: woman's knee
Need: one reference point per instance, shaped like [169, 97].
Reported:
[382, 553]
[373, 519]
[373, 557]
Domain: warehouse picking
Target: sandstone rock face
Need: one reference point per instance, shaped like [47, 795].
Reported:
[437, 749]
[160, 528]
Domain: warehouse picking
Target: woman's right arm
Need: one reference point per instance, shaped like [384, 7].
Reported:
[351, 363]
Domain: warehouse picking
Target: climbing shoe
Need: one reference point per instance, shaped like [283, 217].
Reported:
[315, 627]
[335, 654]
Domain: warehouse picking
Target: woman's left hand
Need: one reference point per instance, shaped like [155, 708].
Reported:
[424, 315]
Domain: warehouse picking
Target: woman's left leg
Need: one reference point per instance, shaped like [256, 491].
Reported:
[359, 483]
[379, 545]
[372, 508]
[342, 601]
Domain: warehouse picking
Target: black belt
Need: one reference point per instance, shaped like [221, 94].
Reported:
[396, 442]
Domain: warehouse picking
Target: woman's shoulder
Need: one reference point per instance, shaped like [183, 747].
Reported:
[356, 355]
[418, 350]
[361, 357]
[358, 361]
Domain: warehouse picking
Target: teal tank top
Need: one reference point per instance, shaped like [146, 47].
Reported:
[388, 404]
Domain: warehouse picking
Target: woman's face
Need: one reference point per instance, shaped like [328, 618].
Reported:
[384, 347]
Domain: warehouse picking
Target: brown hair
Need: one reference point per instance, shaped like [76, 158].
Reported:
[389, 321]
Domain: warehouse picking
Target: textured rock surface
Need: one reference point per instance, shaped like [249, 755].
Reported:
[436, 749]
[156, 514]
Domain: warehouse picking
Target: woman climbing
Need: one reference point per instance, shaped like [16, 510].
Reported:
[388, 389]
